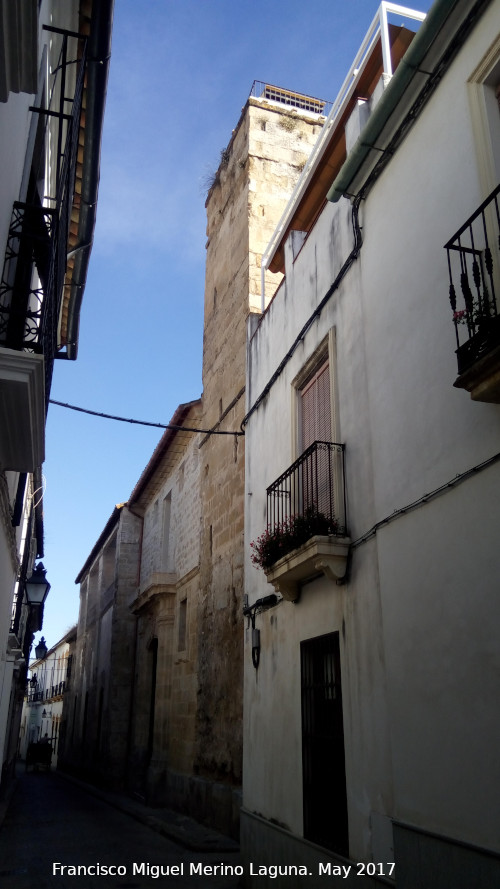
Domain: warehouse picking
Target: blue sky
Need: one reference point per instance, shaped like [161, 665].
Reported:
[181, 70]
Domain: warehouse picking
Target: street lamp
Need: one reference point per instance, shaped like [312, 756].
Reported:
[37, 587]
[41, 650]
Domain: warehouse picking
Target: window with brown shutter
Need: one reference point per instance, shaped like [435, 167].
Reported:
[315, 408]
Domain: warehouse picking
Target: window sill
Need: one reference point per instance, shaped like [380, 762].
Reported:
[320, 555]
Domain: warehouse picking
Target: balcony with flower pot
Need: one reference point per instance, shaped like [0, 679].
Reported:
[306, 534]
[474, 273]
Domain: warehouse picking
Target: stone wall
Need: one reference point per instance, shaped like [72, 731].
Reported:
[166, 607]
[258, 172]
[97, 706]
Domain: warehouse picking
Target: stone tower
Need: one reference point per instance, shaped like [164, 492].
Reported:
[257, 174]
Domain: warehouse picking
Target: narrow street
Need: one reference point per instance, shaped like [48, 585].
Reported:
[52, 821]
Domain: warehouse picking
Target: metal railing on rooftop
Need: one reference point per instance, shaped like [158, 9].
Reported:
[378, 28]
[262, 90]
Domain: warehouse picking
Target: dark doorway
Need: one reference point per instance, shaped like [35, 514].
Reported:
[153, 653]
[323, 759]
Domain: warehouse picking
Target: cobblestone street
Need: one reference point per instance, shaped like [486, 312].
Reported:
[53, 820]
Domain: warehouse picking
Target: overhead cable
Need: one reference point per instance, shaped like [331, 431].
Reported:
[173, 426]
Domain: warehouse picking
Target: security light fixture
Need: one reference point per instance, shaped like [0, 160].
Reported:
[36, 586]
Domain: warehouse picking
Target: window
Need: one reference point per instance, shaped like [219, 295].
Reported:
[323, 757]
[166, 548]
[314, 397]
[153, 665]
[315, 408]
[484, 87]
[108, 564]
[321, 477]
[182, 625]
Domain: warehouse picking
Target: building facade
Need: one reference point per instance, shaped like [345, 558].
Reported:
[98, 703]
[163, 717]
[53, 63]
[371, 661]
[42, 714]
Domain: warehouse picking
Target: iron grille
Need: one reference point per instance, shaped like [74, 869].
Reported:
[323, 755]
[473, 265]
[313, 488]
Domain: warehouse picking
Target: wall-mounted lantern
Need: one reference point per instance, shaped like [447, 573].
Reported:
[249, 611]
[37, 587]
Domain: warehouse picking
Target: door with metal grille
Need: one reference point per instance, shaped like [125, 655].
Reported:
[323, 759]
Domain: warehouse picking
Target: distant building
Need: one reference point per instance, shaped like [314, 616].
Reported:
[371, 717]
[42, 714]
[167, 603]
[98, 703]
[53, 63]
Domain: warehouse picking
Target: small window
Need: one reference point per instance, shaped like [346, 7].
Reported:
[182, 624]
[166, 544]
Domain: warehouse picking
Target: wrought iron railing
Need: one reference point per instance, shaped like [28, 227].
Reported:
[473, 265]
[32, 283]
[44, 695]
[312, 488]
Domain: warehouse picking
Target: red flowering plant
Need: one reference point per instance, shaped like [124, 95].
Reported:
[476, 313]
[289, 534]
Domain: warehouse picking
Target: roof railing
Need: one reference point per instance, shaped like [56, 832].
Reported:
[378, 27]
[279, 95]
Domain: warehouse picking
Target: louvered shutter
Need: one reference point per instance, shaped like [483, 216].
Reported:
[316, 416]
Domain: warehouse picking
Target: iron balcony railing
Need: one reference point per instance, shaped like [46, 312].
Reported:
[310, 495]
[45, 694]
[32, 283]
[473, 265]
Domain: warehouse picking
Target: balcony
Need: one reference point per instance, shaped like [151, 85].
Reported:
[33, 278]
[474, 272]
[306, 533]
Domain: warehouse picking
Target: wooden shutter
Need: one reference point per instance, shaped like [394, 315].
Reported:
[315, 410]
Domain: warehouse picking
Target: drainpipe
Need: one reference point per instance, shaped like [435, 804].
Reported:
[263, 284]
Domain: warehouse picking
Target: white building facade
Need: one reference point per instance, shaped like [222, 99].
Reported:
[42, 714]
[54, 57]
[371, 677]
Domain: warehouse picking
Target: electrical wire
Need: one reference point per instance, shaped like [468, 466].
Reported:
[84, 410]
[458, 479]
